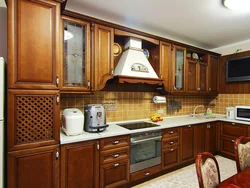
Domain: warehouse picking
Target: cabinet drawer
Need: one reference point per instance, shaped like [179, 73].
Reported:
[144, 173]
[233, 129]
[114, 174]
[170, 157]
[114, 155]
[170, 142]
[114, 142]
[227, 146]
[170, 132]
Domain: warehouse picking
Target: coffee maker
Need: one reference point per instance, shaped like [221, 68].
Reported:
[94, 118]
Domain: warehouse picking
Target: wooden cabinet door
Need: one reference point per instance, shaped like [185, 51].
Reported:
[165, 62]
[178, 69]
[104, 64]
[34, 168]
[203, 78]
[191, 80]
[211, 137]
[227, 146]
[33, 118]
[170, 157]
[76, 61]
[187, 143]
[200, 133]
[80, 165]
[114, 174]
[34, 49]
[213, 74]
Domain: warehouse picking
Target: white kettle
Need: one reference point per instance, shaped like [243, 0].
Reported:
[230, 112]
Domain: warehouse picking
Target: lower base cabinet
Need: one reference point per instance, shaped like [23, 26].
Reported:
[114, 174]
[37, 168]
[80, 165]
[170, 157]
[145, 173]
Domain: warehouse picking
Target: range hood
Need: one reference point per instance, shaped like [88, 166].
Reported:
[134, 65]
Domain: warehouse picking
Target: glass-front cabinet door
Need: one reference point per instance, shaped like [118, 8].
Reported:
[76, 55]
[178, 69]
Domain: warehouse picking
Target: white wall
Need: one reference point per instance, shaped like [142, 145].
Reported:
[3, 32]
[232, 48]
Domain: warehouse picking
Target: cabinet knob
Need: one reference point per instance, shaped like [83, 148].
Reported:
[116, 164]
[233, 141]
[170, 143]
[171, 149]
[209, 89]
[171, 132]
[116, 142]
[146, 173]
[112, 72]
[208, 126]
[198, 89]
[233, 123]
[189, 126]
[116, 155]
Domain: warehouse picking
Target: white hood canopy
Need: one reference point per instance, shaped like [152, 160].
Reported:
[133, 61]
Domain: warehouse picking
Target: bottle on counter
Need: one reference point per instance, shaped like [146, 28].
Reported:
[209, 110]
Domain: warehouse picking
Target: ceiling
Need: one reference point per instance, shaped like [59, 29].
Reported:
[203, 23]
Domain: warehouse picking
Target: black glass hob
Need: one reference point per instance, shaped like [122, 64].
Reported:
[137, 125]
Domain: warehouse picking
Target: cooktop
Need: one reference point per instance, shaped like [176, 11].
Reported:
[137, 125]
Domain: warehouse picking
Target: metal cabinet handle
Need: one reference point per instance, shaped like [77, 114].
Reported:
[233, 123]
[172, 149]
[171, 132]
[116, 164]
[198, 89]
[116, 142]
[233, 141]
[116, 155]
[170, 143]
[208, 126]
[209, 89]
[146, 173]
[112, 72]
[189, 126]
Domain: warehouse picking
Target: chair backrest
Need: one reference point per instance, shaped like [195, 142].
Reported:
[207, 169]
[242, 153]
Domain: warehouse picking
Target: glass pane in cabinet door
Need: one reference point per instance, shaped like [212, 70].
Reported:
[74, 54]
[179, 69]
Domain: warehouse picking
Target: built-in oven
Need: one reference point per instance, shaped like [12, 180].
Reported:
[145, 150]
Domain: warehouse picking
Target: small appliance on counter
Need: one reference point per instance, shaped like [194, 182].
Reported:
[242, 113]
[95, 118]
[230, 112]
[72, 121]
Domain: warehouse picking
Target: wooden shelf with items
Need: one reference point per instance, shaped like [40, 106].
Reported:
[150, 48]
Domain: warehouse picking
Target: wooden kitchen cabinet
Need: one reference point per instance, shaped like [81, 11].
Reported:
[34, 44]
[34, 168]
[114, 161]
[213, 64]
[33, 118]
[103, 55]
[206, 137]
[178, 67]
[165, 63]
[170, 148]
[80, 165]
[229, 132]
[76, 61]
[187, 143]
[196, 77]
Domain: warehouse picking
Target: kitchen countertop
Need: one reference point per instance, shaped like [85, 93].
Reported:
[168, 122]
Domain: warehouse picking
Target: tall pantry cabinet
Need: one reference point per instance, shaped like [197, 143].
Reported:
[34, 56]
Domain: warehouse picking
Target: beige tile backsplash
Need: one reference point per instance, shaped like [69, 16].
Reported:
[138, 105]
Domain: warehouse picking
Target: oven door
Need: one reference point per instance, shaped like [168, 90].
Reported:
[145, 153]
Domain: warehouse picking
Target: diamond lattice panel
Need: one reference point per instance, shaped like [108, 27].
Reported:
[203, 77]
[34, 121]
[191, 77]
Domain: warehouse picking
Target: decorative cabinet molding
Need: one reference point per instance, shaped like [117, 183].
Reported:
[34, 50]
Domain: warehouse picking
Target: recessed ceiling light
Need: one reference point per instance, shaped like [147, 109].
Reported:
[237, 4]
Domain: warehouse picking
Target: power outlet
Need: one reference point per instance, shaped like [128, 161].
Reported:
[160, 111]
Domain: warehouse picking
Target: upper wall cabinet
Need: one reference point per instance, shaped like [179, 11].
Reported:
[103, 55]
[178, 70]
[34, 44]
[76, 53]
[213, 74]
